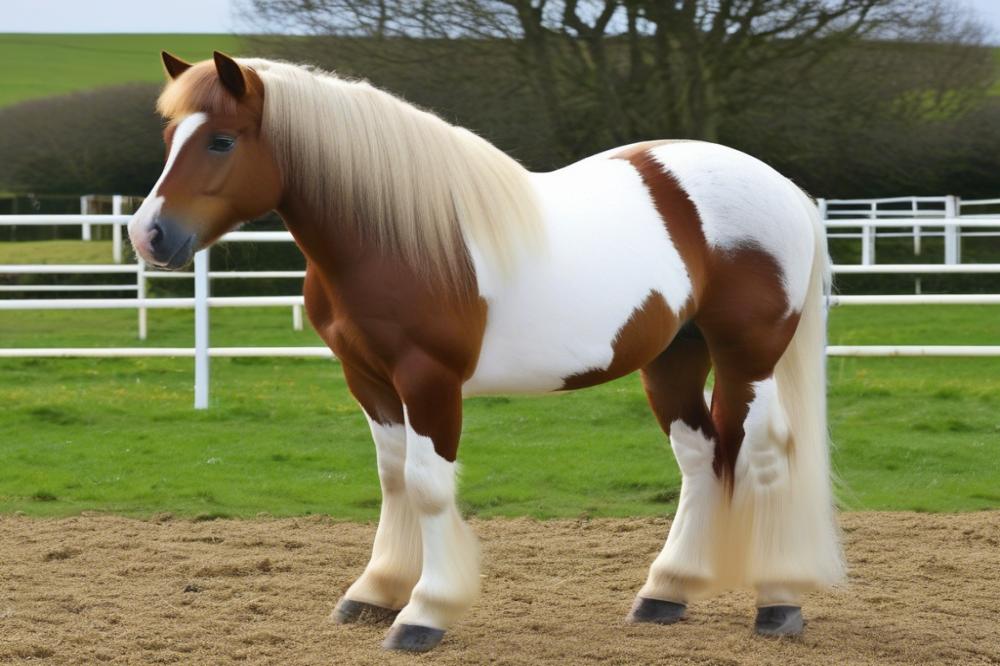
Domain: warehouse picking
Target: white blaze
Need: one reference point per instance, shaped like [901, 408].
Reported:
[142, 220]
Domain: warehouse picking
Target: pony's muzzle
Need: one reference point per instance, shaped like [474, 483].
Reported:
[169, 244]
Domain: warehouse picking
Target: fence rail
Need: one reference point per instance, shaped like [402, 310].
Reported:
[914, 350]
[865, 216]
[149, 352]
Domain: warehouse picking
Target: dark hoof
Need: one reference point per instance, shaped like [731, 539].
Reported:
[656, 611]
[779, 621]
[412, 638]
[348, 611]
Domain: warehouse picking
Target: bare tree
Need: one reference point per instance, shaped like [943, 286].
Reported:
[690, 63]
[605, 72]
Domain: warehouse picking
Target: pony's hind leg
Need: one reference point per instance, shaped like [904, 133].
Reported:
[718, 540]
[685, 568]
[758, 544]
[778, 535]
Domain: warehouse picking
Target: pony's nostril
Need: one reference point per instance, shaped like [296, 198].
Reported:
[155, 233]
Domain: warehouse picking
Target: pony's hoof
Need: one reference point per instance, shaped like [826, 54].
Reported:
[412, 638]
[348, 611]
[779, 621]
[656, 611]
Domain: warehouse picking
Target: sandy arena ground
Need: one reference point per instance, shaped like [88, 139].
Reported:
[925, 589]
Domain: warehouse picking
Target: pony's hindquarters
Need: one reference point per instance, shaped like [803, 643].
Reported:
[766, 442]
[783, 499]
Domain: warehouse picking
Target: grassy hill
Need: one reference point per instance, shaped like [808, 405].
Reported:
[41, 65]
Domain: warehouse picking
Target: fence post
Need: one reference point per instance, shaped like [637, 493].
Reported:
[821, 204]
[915, 210]
[116, 230]
[868, 239]
[201, 329]
[140, 293]
[952, 234]
[85, 210]
[297, 317]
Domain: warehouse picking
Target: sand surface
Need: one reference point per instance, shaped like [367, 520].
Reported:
[924, 589]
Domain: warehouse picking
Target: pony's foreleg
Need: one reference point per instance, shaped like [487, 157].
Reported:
[449, 580]
[394, 568]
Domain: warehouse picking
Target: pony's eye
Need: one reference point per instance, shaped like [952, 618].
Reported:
[222, 143]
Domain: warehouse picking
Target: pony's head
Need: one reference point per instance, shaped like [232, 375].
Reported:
[219, 169]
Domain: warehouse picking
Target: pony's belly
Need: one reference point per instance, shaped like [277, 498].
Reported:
[608, 252]
[538, 358]
[533, 361]
[525, 364]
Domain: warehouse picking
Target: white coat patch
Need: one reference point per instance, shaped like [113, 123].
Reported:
[607, 248]
[743, 202]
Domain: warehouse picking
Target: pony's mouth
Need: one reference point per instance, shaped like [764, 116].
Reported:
[180, 257]
[167, 244]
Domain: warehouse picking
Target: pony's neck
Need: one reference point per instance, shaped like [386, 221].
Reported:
[405, 182]
[348, 266]
[333, 248]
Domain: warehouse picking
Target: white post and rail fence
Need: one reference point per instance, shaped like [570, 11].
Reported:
[866, 220]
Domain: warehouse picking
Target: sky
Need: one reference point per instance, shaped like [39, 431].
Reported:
[989, 11]
[213, 16]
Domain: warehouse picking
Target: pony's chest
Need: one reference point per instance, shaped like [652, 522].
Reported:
[336, 331]
[376, 321]
[335, 325]
[607, 249]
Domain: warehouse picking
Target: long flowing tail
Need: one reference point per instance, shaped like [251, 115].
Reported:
[783, 537]
[800, 376]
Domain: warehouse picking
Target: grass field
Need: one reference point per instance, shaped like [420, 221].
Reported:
[284, 437]
[43, 65]
[56, 252]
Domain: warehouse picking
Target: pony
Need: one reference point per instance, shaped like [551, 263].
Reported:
[440, 268]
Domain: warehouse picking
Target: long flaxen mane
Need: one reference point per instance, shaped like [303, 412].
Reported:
[413, 184]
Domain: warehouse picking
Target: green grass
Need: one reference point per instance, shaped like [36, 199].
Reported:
[34, 66]
[284, 436]
[56, 252]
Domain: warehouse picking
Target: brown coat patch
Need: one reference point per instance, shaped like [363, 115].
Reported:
[676, 209]
[738, 306]
[647, 332]
[653, 325]
[401, 340]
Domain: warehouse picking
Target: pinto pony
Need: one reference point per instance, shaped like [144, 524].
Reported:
[439, 268]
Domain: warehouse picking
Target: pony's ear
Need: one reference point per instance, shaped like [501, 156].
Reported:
[174, 65]
[231, 75]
